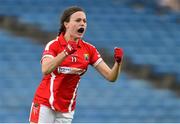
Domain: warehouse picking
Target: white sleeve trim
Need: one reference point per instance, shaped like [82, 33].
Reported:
[46, 56]
[97, 62]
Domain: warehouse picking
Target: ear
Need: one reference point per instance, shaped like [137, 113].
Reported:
[66, 24]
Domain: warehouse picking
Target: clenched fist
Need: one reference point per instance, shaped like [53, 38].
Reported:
[118, 54]
[70, 48]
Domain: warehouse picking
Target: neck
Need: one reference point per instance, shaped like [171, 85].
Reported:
[69, 37]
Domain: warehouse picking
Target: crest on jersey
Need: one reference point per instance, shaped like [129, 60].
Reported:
[86, 57]
[35, 108]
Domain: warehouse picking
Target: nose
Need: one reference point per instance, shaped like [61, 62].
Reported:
[83, 23]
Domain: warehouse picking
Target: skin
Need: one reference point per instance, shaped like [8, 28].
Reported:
[78, 20]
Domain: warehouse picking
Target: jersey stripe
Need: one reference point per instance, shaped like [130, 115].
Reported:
[31, 111]
[46, 56]
[73, 98]
[47, 46]
[97, 62]
[51, 99]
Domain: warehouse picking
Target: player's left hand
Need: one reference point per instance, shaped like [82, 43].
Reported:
[118, 54]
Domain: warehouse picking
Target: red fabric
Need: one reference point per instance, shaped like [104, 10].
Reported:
[71, 47]
[118, 54]
[34, 115]
[59, 89]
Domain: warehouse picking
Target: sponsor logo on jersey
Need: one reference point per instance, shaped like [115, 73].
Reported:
[64, 70]
[70, 70]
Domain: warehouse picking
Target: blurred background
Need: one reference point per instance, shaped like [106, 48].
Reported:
[148, 89]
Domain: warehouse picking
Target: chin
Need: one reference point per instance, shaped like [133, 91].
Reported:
[79, 36]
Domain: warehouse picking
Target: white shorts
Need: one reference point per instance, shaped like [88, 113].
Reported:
[43, 114]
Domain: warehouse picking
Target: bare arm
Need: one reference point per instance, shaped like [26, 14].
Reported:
[49, 64]
[110, 74]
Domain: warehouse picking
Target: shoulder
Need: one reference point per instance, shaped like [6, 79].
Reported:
[91, 48]
[89, 45]
[53, 43]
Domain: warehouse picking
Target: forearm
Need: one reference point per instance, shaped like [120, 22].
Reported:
[113, 74]
[51, 65]
[110, 74]
[118, 56]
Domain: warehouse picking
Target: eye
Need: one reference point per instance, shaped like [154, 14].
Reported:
[78, 20]
[84, 20]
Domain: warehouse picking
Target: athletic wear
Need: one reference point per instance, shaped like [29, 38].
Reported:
[43, 114]
[58, 90]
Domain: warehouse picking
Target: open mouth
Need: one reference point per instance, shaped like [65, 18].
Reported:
[81, 30]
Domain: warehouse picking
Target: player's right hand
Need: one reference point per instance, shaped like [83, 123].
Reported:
[70, 48]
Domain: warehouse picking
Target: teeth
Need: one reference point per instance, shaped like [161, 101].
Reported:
[81, 30]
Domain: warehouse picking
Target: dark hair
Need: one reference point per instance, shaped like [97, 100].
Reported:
[65, 17]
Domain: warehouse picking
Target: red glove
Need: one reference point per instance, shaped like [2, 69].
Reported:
[70, 48]
[118, 54]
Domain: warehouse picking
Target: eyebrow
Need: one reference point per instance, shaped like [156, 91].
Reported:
[80, 18]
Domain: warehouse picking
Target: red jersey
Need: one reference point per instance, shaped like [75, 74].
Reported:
[58, 90]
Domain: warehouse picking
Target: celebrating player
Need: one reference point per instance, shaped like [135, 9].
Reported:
[64, 60]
